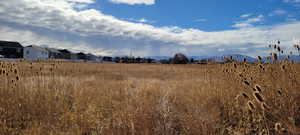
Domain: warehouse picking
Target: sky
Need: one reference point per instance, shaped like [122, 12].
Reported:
[152, 27]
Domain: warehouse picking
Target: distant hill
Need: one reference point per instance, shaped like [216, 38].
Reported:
[295, 58]
[236, 57]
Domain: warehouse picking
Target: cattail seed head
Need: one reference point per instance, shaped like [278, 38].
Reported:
[235, 65]
[278, 49]
[283, 67]
[251, 106]
[245, 96]
[247, 83]
[264, 106]
[279, 92]
[274, 56]
[259, 58]
[258, 88]
[278, 127]
[258, 97]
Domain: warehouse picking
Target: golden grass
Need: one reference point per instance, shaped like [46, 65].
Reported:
[64, 98]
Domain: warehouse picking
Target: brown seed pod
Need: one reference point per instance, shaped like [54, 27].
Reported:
[247, 83]
[279, 92]
[245, 95]
[258, 88]
[274, 56]
[278, 126]
[251, 106]
[278, 49]
[283, 67]
[264, 106]
[259, 58]
[258, 97]
[235, 65]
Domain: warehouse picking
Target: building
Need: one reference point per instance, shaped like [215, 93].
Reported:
[92, 57]
[34, 52]
[81, 56]
[65, 54]
[54, 53]
[11, 49]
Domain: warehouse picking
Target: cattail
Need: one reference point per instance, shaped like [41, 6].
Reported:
[244, 60]
[17, 78]
[234, 65]
[274, 55]
[247, 83]
[279, 92]
[258, 87]
[251, 106]
[16, 71]
[278, 49]
[264, 106]
[245, 95]
[259, 58]
[278, 42]
[261, 66]
[258, 97]
[278, 127]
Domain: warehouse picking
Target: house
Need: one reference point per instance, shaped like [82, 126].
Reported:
[81, 56]
[54, 53]
[92, 57]
[107, 58]
[65, 54]
[11, 49]
[34, 52]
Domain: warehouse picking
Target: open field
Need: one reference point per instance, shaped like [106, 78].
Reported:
[64, 98]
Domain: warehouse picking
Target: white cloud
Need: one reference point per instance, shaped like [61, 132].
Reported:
[140, 20]
[249, 22]
[134, 2]
[278, 12]
[245, 15]
[61, 25]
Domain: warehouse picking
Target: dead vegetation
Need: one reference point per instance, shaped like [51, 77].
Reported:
[64, 98]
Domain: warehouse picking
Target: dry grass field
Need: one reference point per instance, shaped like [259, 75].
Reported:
[64, 98]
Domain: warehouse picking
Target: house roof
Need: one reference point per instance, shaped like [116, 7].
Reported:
[53, 50]
[37, 47]
[65, 51]
[10, 44]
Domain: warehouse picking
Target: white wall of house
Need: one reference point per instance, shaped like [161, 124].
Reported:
[32, 53]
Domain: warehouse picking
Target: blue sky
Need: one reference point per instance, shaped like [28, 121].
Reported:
[207, 15]
[152, 27]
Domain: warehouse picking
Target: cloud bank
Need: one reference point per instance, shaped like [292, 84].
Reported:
[70, 24]
[133, 2]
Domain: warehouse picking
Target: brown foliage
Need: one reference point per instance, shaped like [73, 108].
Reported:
[64, 98]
